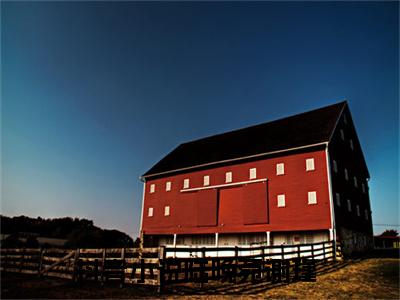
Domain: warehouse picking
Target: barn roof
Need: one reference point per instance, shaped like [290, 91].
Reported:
[303, 129]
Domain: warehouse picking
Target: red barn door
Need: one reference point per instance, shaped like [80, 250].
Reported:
[243, 205]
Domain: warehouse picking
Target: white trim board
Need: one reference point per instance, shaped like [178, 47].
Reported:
[223, 185]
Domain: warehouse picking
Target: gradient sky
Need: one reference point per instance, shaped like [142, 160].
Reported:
[95, 93]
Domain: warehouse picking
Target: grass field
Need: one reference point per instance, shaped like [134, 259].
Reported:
[363, 279]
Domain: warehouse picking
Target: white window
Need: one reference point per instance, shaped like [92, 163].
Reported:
[168, 186]
[186, 183]
[281, 201]
[280, 169]
[206, 180]
[337, 199]
[355, 181]
[152, 188]
[358, 210]
[335, 166]
[253, 173]
[346, 174]
[348, 205]
[312, 197]
[310, 164]
[351, 145]
[150, 212]
[366, 214]
[344, 119]
[166, 211]
[342, 134]
[228, 177]
[363, 187]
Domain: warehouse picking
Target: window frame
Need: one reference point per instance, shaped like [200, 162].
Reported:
[312, 197]
[167, 211]
[186, 183]
[252, 173]
[310, 164]
[150, 212]
[228, 177]
[281, 200]
[337, 198]
[280, 169]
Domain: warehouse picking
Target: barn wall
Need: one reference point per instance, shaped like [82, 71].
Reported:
[354, 230]
[192, 213]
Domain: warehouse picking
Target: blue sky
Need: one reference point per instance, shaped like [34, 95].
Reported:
[95, 93]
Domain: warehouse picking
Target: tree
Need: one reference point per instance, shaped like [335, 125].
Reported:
[390, 232]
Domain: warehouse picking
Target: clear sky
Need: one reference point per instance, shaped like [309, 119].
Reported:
[95, 93]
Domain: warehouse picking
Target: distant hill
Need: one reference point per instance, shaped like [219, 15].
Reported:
[69, 232]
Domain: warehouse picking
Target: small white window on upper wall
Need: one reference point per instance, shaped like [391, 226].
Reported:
[342, 134]
[346, 174]
[280, 169]
[363, 187]
[253, 173]
[281, 200]
[228, 177]
[150, 212]
[310, 164]
[312, 197]
[335, 166]
[351, 145]
[152, 188]
[186, 183]
[355, 181]
[166, 211]
[358, 210]
[348, 205]
[366, 214]
[206, 180]
[337, 199]
[344, 119]
[168, 186]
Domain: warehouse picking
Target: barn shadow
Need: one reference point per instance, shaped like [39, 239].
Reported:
[245, 288]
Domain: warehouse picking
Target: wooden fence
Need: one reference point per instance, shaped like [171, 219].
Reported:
[268, 263]
[165, 266]
[128, 265]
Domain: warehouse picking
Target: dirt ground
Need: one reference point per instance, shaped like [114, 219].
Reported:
[363, 279]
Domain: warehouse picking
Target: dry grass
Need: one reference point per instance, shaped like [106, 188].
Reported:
[365, 279]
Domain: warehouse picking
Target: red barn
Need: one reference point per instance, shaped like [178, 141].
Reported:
[294, 180]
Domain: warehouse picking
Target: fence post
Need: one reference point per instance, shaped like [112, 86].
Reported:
[103, 263]
[160, 279]
[75, 266]
[323, 250]
[312, 251]
[123, 265]
[40, 260]
[21, 264]
[283, 252]
[334, 245]
[5, 262]
[298, 251]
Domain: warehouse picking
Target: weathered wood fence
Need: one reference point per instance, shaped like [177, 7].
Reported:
[166, 266]
[126, 265]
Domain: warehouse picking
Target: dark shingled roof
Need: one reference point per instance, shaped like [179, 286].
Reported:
[299, 130]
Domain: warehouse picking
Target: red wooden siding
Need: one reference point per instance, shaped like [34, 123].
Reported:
[243, 208]
[255, 210]
[230, 206]
[207, 207]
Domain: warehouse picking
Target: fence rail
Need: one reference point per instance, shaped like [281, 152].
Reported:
[165, 265]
